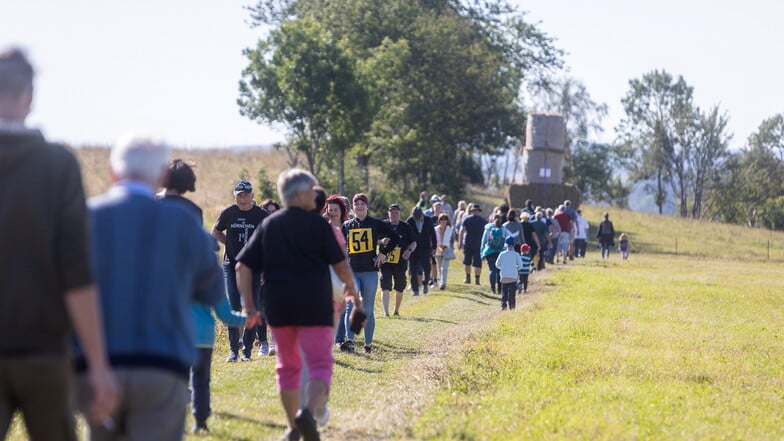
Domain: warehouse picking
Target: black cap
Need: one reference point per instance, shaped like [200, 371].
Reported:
[394, 207]
[242, 186]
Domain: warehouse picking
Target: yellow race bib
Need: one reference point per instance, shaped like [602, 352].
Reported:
[360, 240]
[393, 256]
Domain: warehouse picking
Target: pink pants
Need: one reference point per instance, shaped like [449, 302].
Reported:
[315, 342]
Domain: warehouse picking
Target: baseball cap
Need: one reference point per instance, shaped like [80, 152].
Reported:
[242, 186]
[509, 241]
[525, 248]
[473, 207]
[394, 207]
[435, 198]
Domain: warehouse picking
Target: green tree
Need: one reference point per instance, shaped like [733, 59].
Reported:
[593, 165]
[770, 135]
[442, 81]
[304, 78]
[706, 156]
[656, 132]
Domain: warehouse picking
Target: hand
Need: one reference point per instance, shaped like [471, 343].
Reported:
[105, 394]
[406, 254]
[381, 259]
[253, 319]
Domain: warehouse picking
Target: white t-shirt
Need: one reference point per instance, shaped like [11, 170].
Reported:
[583, 227]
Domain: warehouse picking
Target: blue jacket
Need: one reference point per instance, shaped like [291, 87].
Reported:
[205, 321]
[151, 262]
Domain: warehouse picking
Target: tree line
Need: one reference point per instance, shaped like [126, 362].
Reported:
[411, 95]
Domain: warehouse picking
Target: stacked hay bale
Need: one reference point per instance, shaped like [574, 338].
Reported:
[543, 158]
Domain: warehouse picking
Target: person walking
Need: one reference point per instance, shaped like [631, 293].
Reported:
[606, 236]
[581, 236]
[493, 240]
[420, 261]
[233, 228]
[363, 235]
[444, 251]
[508, 264]
[152, 261]
[47, 284]
[291, 243]
[525, 270]
[393, 271]
[470, 241]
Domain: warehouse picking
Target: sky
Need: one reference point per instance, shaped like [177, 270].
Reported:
[171, 68]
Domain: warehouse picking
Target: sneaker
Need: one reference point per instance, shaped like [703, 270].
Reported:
[307, 425]
[368, 349]
[264, 349]
[347, 346]
[321, 416]
[467, 279]
[476, 280]
[272, 350]
[232, 358]
[245, 357]
[443, 287]
[199, 426]
[425, 289]
[291, 435]
[414, 292]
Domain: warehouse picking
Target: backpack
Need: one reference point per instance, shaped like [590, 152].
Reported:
[496, 239]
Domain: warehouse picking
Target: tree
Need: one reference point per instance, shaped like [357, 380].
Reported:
[442, 81]
[706, 156]
[305, 79]
[656, 132]
[770, 135]
[593, 165]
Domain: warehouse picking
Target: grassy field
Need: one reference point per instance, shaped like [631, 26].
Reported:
[682, 341]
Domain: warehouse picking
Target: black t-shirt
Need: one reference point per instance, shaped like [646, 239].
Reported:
[361, 239]
[293, 249]
[239, 226]
[528, 233]
[474, 230]
[425, 234]
[405, 237]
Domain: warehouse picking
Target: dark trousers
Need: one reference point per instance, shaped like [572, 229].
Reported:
[508, 293]
[419, 263]
[579, 247]
[523, 281]
[495, 278]
[200, 384]
[235, 300]
[39, 387]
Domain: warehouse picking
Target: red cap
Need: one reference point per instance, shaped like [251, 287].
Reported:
[524, 248]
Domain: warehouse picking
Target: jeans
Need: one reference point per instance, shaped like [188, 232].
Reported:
[579, 247]
[367, 284]
[200, 384]
[444, 265]
[508, 294]
[495, 273]
[235, 300]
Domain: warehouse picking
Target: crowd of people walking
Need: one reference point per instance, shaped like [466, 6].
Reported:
[136, 276]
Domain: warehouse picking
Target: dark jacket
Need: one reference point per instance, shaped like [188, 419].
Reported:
[43, 242]
[426, 239]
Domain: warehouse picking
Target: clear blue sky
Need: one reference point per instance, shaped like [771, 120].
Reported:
[171, 67]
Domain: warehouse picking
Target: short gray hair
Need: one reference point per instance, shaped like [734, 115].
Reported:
[293, 181]
[139, 158]
[16, 73]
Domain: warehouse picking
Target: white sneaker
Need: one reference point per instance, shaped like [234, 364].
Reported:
[321, 416]
[272, 349]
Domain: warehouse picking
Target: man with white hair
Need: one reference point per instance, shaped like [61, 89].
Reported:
[151, 262]
[293, 248]
[47, 283]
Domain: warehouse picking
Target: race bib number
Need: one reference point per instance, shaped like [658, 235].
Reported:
[394, 256]
[360, 240]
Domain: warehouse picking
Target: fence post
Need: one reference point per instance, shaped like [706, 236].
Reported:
[676, 245]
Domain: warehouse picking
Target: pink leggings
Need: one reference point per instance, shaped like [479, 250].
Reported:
[315, 342]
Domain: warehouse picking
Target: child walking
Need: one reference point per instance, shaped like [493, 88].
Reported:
[205, 340]
[526, 269]
[623, 246]
[508, 264]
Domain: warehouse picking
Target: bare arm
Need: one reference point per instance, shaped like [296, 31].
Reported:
[82, 305]
[346, 276]
[220, 235]
[245, 286]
